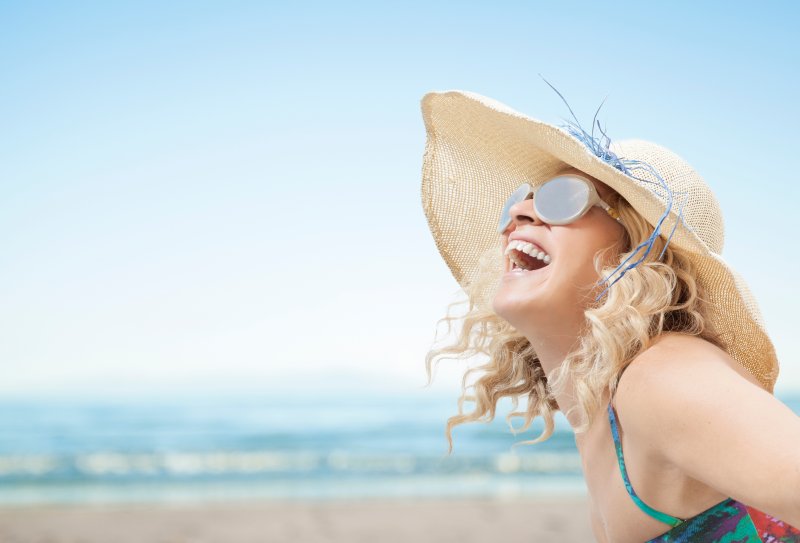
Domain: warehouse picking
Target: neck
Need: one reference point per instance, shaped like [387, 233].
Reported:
[553, 340]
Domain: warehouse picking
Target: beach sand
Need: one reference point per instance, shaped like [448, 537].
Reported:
[528, 520]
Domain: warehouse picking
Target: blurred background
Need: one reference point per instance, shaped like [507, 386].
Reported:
[217, 285]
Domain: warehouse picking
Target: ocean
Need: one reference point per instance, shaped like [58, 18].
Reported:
[273, 446]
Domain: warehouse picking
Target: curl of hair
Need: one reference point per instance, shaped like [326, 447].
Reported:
[652, 298]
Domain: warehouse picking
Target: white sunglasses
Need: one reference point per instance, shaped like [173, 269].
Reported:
[558, 201]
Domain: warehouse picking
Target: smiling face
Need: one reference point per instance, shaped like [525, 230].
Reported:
[567, 284]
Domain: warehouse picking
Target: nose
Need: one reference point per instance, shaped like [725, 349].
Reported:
[523, 212]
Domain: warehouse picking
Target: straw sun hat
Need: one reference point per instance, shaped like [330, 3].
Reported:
[479, 150]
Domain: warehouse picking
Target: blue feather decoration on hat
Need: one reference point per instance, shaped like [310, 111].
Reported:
[599, 146]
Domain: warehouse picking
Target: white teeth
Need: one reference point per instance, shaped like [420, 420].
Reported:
[527, 248]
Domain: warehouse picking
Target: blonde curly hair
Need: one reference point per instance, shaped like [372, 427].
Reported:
[652, 298]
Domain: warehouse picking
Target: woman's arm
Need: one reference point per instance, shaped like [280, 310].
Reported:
[686, 399]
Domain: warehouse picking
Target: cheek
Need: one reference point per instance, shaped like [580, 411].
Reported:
[602, 236]
[577, 276]
[576, 262]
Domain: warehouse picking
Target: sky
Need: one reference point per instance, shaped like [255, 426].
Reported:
[209, 195]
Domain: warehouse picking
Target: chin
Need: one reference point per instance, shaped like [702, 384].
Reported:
[515, 305]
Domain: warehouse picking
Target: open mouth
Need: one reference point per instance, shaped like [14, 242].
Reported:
[523, 262]
[524, 256]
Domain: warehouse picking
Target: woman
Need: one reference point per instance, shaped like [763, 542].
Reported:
[584, 262]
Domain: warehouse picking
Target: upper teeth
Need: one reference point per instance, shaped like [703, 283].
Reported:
[527, 248]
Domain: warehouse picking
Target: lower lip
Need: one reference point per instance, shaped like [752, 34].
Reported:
[521, 273]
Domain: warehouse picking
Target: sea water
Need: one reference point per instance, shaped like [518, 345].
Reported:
[273, 446]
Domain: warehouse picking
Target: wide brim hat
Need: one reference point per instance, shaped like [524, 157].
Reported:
[479, 150]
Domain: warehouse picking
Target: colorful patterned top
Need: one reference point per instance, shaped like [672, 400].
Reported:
[729, 520]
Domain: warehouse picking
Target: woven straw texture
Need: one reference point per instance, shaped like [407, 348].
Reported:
[479, 150]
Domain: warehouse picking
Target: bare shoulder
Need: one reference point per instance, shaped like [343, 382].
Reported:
[660, 389]
[689, 358]
[698, 410]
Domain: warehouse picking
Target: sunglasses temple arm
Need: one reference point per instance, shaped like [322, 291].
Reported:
[610, 210]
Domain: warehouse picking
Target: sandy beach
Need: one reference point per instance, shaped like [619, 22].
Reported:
[530, 520]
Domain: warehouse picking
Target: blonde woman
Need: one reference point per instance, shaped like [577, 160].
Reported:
[596, 288]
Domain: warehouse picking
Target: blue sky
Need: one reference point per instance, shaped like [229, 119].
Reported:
[227, 194]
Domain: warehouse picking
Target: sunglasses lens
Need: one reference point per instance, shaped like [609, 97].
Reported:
[517, 196]
[561, 199]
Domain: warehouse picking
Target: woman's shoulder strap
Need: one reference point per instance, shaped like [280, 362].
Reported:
[663, 517]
